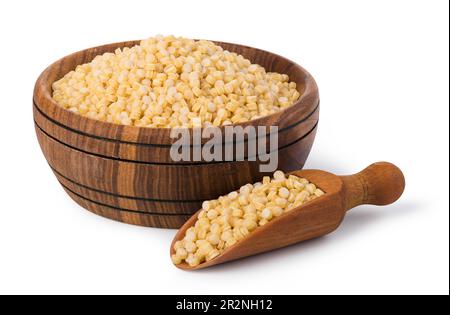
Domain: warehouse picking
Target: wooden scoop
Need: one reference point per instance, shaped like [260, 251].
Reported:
[380, 184]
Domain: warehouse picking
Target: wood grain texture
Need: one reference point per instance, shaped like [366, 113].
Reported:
[95, 179]
[130, 217]
[156, 181]
[155, 153]
[380, 184]
[113, 170]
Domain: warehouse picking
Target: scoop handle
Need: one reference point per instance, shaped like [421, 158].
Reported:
[380, 184]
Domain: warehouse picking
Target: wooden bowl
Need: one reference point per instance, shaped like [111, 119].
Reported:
[125, 173]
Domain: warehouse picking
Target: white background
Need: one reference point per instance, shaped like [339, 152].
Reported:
[382, 69]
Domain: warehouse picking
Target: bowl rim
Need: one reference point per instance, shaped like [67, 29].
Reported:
[43, 101]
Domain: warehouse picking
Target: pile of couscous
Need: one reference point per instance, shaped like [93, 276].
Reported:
[223, 222]
[168, 82]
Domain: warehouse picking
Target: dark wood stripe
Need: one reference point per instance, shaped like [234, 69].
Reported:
[121, 209]
[153, 144]
[121, 196]
[161, 163]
